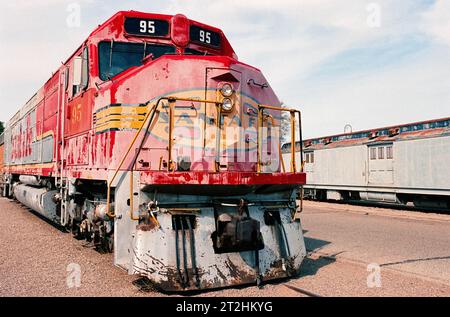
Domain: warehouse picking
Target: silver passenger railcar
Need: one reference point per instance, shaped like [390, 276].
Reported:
[405, 164]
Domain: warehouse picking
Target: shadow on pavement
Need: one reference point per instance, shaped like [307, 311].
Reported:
[314, 245]
[311, 266]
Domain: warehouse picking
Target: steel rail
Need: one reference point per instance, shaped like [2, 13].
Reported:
[302, 291]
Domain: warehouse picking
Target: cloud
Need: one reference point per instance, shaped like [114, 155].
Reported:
[436, 22]
[416, 90]
[27, 4]
[34, 39]
[319, 55]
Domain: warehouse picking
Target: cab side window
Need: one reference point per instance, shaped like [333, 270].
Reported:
[76, 89]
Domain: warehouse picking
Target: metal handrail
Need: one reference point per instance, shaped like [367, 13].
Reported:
[172, 101]
[108, 191]
[293, 112]
[293, 143]
[153, 110]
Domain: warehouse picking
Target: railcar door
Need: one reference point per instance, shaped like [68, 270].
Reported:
[381, 164]
[309, 159]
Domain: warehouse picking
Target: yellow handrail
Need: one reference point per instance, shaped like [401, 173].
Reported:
[171, 101]
[108, 192]
[260, 126]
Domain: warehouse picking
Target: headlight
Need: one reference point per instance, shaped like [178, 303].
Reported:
[226, 90]
[227, 104]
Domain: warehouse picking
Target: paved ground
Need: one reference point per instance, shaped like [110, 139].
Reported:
[391, 239]
[411, 248]
[413, 251]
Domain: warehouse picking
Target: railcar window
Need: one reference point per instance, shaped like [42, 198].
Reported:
[373, 153]
[389, 153]
[381, 153]
[117, 57]
[309, 157]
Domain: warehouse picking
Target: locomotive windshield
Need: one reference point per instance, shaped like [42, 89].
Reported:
[190, 51]
[116, 57]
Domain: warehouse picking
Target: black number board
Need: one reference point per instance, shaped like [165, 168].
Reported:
[205, 36]
[146, 27]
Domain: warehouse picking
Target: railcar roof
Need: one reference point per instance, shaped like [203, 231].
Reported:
[415, 130]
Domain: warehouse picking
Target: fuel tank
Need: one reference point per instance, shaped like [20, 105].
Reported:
[32, 180]
[38, 199]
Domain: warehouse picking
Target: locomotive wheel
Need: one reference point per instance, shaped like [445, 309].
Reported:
[106, 244]
[77, 233]
[109, 243]
[69, 225]
[75, 229]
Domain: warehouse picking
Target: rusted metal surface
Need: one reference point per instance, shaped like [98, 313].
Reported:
[154, 255]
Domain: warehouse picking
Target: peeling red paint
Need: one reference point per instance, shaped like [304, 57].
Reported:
[90, 154]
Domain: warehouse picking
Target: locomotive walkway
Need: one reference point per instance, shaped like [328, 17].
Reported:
[411, 249]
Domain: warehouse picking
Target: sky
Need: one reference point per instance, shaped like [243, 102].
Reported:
[364, 63]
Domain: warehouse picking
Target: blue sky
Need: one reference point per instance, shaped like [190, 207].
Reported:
[366, 63]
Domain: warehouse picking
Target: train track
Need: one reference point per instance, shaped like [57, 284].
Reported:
[401, 207]
[387, 205]
[302, 291]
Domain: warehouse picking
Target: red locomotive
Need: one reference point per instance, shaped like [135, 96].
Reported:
[154, 142]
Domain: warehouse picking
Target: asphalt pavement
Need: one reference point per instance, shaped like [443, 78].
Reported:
[411, 252]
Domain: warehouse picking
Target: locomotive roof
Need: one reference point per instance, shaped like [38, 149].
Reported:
[116, 24]
[415, 130]
[117, 20]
